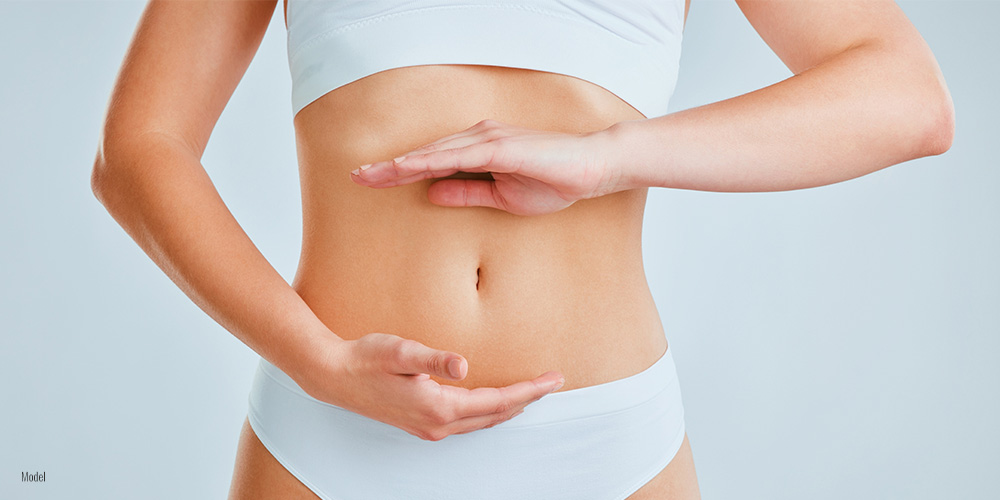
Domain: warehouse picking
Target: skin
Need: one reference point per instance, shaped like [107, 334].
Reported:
[867, 93]
[523, 268]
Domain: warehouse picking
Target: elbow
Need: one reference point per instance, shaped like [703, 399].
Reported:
[96, 179]
[99, 172]
[932, 112]
[939, 128]
[924, 113]
[114, 149]
[110, 172]
[108, 179]
[99, 179]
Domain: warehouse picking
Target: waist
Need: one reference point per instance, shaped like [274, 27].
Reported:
[513, 307]
[517, 296]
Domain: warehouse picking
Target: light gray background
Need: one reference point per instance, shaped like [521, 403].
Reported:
[834, 342]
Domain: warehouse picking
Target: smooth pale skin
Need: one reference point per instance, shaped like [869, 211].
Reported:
[185, 61]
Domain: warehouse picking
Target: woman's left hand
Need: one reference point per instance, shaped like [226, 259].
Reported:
[534, 172]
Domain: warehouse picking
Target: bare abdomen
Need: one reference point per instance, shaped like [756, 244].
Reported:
[516, 295]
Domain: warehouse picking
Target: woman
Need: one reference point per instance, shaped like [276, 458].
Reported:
[488, 335]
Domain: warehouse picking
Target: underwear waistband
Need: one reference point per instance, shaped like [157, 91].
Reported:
[595, 400]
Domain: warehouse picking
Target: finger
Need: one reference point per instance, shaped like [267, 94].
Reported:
[499, 400]
[479, 422]
[415, 358]
[473, 158]
[398, 181]
[467, 137]
[465, 193]
[384, 171]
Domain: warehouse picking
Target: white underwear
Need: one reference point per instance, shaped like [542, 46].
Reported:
[600, 442]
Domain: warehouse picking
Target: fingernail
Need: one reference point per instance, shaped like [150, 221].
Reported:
[356, 171]
[365, 167]
[454, 368]
[399, 160]
[558, 386]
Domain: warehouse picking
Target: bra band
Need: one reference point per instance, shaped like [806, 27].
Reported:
[630, 48]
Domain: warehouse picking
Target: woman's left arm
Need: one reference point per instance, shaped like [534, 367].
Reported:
[867, 93]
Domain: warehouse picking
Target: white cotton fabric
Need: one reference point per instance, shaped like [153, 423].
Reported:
[629, 47]
[601, 442]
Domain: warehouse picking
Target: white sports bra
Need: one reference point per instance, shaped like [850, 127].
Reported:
[629, 47]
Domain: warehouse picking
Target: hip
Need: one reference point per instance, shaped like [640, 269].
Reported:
[603, 441]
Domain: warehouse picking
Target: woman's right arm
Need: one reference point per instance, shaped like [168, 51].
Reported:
[184, 62]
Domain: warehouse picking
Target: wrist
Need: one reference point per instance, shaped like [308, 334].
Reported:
[619, 166]
[319, 358]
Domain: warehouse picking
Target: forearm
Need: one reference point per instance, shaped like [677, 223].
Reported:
[159, 193]
[865, 109]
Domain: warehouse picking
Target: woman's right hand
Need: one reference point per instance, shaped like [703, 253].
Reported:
[387, 378]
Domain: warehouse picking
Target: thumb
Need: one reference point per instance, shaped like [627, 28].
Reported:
[465, 193]
[419, 358]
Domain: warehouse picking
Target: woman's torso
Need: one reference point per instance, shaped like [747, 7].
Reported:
[515, 295]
